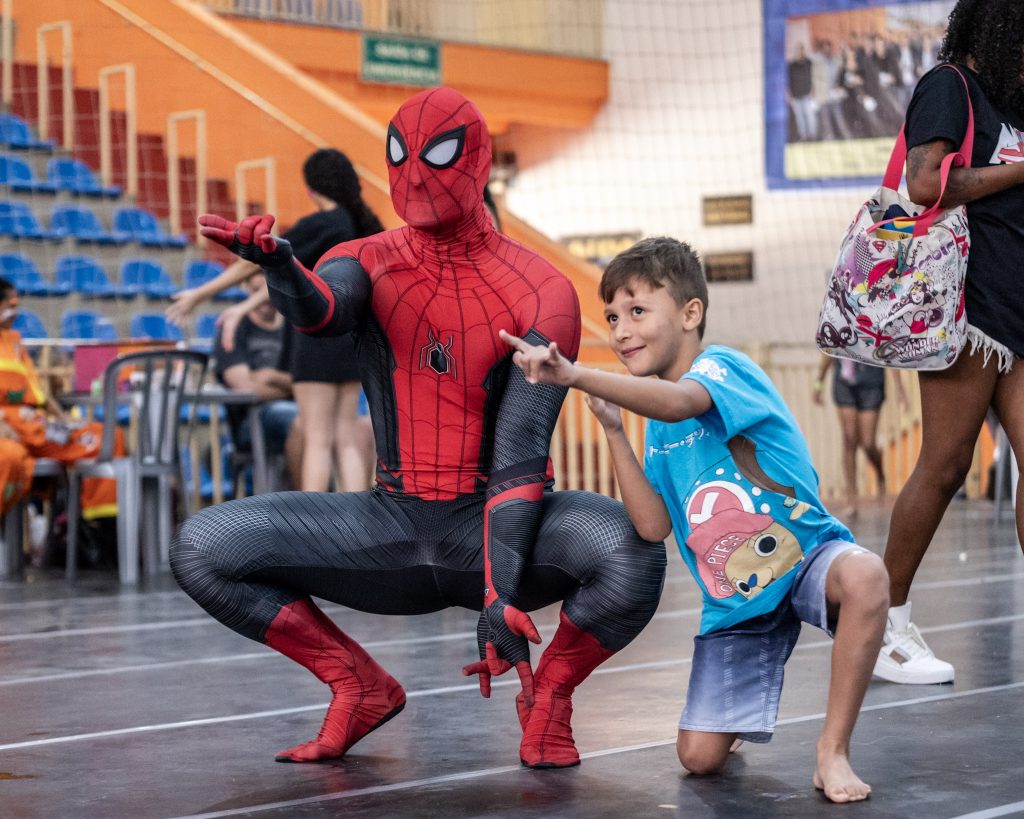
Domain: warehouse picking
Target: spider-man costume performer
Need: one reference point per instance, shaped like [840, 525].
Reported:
[462, 500]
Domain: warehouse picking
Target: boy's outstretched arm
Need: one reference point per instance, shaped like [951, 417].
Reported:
[653, 398]
[646, 509]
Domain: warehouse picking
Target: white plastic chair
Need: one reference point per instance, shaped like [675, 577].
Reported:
[160, 381]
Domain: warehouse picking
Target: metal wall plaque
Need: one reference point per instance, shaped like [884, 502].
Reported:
[728, 210]
[729, 267]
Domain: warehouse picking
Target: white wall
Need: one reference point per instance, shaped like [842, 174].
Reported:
[685, 120]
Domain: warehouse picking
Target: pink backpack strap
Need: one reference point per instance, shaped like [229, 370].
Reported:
[894, 170]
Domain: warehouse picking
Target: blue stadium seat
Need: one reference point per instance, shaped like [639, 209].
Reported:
[19, 177]
[142, 227]
[75, 177]
[29, 324]
[206, 325]
[146, 277]
[199, 271]
[155, 326]
[205, 332]
[18, 221]
[22, 272]
[84, 275]
[83, 226]
[15, 133]
[88, 325]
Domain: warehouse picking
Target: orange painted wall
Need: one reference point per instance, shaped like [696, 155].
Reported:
[507, 85]
[188, 58]
[184, 63]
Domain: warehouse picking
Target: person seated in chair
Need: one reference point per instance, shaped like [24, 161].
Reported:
[250, 362]
[34, 425]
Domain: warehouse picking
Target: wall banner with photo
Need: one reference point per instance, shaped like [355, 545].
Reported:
[838, 77]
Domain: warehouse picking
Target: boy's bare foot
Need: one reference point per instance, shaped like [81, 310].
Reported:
[836, 778]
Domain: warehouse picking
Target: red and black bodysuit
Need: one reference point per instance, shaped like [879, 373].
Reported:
[462, 502]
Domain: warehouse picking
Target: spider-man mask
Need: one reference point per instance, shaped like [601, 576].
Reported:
[439, 159]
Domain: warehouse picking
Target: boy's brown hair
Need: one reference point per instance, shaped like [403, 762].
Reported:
[659, 262]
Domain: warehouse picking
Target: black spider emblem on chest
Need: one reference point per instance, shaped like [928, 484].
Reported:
[438, 356]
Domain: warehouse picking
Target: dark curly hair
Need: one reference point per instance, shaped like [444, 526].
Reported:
[992, 32]
[330, 173]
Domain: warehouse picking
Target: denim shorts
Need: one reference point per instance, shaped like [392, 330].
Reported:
[864, 397]
[736, 675]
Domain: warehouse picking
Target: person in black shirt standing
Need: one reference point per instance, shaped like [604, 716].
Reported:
[252, 365]
[325, 379]
[985, 40]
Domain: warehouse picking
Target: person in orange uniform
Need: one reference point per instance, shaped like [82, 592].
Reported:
[34, 426]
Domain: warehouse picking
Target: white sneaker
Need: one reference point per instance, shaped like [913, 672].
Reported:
[905, 656]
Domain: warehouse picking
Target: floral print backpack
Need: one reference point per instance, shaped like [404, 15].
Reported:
[895, 297]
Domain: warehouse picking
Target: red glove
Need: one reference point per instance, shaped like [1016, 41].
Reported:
[250, 238]
[505, 627]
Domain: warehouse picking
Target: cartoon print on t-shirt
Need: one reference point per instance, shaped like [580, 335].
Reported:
[738, 550]
[1009, 146]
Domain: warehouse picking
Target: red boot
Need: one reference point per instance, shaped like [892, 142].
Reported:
[365, 695]
[568, 661]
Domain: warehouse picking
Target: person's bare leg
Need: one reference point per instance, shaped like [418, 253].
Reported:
[867, 436]
[856, 588]
[316, 403]
[953, 405]
[1008, 403]
[364, 432]
[293, 452]
[703, 752]
[349, 449]
[848, 426]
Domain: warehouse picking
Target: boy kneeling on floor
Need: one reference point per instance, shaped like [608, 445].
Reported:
[727, 469]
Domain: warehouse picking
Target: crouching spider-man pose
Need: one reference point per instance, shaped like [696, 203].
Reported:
[462, 442]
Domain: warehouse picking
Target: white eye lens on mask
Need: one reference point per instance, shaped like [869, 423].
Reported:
[442, 154]
[444, 149]
[396, 151]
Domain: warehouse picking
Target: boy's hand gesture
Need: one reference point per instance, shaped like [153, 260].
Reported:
[609, 415]
[250, 238]
[540, 365]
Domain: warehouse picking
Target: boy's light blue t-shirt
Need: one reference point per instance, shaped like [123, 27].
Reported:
[745, 516]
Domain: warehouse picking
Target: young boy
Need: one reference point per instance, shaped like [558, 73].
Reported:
[726, 469]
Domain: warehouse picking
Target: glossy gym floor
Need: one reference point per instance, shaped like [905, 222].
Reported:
[134, 703]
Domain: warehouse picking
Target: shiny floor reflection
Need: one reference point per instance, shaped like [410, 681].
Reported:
[135, 703]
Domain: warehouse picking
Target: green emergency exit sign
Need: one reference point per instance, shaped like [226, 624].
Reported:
[401, 61]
